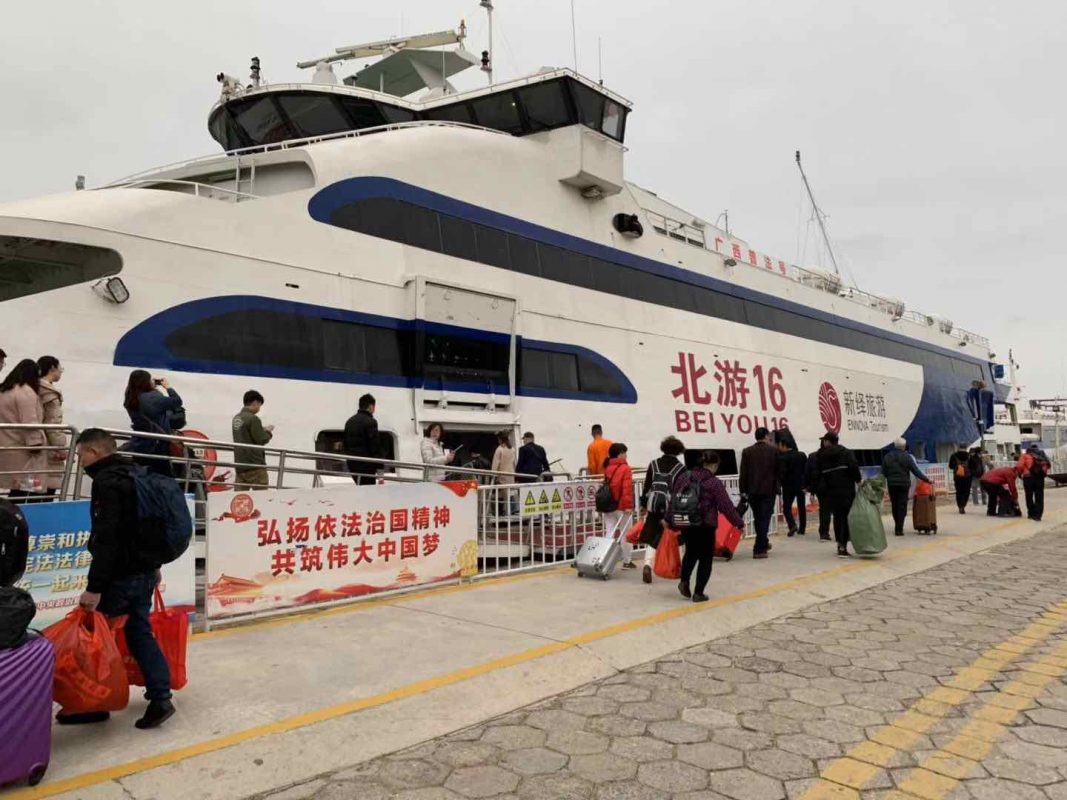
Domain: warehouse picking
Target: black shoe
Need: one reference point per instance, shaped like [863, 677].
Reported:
[683, 587]
[83, 719]
[761, 554]
[842, 552]
[158, 712]
[769, 547]
[824, 537]
[700, 598]
[792, 532]
[800, 532]
[646, 574]
[963, 510]
[898, 533]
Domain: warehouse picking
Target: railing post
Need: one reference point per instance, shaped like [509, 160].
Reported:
[281, 469]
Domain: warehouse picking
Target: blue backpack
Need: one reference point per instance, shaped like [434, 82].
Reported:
[161, 505]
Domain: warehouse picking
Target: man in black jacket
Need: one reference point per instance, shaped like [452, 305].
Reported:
[811, 483]
[898, 466]
[792, 464]
[532, 460]
[838, 474]
[758, 481]
[361, 439]
[122, 575]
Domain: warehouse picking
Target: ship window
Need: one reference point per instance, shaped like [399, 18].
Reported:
[596, 379]
[564, 371]
[260, 120]
[313, 114]
[457, 238]
[458, 112]
[363, 113]
[252, 336]
[464, 358]
[498, 111]
[545, 105]
[30, 266]
[225, 131]
[590, 105]
[421, 228]
[492, 247]
[613, 117]
[523, 254]
[344, 346]
[394, 114]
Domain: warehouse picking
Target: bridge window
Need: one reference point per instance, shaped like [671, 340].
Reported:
[313, 115]
[498, 111]
[260, 120]
[363, 113]
[546, 106]
[30, 266]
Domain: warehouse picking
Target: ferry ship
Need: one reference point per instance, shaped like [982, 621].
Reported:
[475, 258]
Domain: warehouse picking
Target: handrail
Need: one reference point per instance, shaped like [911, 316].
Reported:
[195, 184]
[290, 143]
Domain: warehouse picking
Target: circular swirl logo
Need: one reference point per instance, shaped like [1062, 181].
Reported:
[830, 408]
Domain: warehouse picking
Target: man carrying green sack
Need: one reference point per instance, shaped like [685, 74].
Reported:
[865, 518]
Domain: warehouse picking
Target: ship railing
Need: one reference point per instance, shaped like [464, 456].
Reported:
[196, 188]
[288, 144]
[691, 234]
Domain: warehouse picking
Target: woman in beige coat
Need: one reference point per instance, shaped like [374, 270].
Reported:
[52, 403]
[20, 469]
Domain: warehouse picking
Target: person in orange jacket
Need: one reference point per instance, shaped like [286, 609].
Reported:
[617, 523]
[999, 484]
[1033, 466]
[597, 452]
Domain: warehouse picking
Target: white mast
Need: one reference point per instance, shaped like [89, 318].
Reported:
[818, 216]
[487, 63]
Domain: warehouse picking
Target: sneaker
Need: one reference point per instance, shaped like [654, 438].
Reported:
[646, 574]
[158, 712]
[629, 565]
[87, 718]
[842, 552]
[762, 554]
[700, 598]
[898, 533]
[683, 587]
[824, 537]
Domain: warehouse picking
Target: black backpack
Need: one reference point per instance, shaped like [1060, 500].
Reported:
[167, 527]
[14, 543]
[661, 489]
[685, 503]
[604, 499]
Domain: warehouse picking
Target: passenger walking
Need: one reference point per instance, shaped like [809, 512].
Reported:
[248, 429]
[434, 453]
[22, 461]
[123, 574]
[898, 466]
[656, 498]
[597, 452]
[532, 460]
[504, 459]
[758, 481]
[52, 403]
[699, 539]
[999, 486]
[813, 485]
[839, 474]
[958, 465]
[362, 441]
[792, 465]
[1034, 466]
[154, 407]
[620, 479]
[976, 466]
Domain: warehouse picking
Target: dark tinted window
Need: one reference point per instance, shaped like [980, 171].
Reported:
[523, 253]
[492, 247]
[362, 113]
[465, 358]
[225, 131]
[498, 111]
[460, 112]
[313, 114]
[388, 351]
[563, 368]
[260, 121]
[597, 380]
[30, 266]
[534, 369]
[253, 337]
[394, 114]
[421, 227]
[546, 106]
[457, 238]
[590, 105]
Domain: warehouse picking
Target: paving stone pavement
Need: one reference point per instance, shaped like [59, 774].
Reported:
[842, 686]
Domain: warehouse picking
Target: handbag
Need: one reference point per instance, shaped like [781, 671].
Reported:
[668, 556]
[90, 675]
[171, 631]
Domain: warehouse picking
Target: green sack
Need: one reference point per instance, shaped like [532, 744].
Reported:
[865, 518]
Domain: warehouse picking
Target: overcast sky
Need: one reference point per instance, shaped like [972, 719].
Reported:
[933, 132]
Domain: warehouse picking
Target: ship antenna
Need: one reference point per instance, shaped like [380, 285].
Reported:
[819, 216]
[600, 60]
[574, 37]
[487, 56]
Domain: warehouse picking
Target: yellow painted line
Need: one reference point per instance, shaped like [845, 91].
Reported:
[836, 791]
[936, 777]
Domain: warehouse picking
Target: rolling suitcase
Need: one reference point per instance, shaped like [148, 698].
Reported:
[598, 557]
[924, 513]
[26, 721]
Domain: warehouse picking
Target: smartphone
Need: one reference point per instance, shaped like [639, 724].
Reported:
[157, 381]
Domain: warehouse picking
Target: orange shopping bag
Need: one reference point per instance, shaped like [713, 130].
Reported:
[171, 629]
[90, 675]
[668, 556]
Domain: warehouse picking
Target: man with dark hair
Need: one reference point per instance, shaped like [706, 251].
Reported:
[361, 440]
[838, 475]
[758, 481]
[597, 452]
[813, 484]
[791, 468]
[532, 460]
[122, 575]
[249, 430]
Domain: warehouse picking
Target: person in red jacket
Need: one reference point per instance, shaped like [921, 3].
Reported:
[1033, 466]
[999, 484]
[620, 478]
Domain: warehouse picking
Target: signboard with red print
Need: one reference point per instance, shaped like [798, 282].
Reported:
[287, 548]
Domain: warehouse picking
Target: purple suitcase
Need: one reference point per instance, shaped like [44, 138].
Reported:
[26, 711]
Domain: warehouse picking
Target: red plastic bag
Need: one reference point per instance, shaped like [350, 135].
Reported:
[922, 489]
[668, 556]
[633, 536]
[90, 675]
[171, 629]
[727, 537]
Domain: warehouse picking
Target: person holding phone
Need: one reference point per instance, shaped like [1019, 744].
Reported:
[154, 407]
[434, 453]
